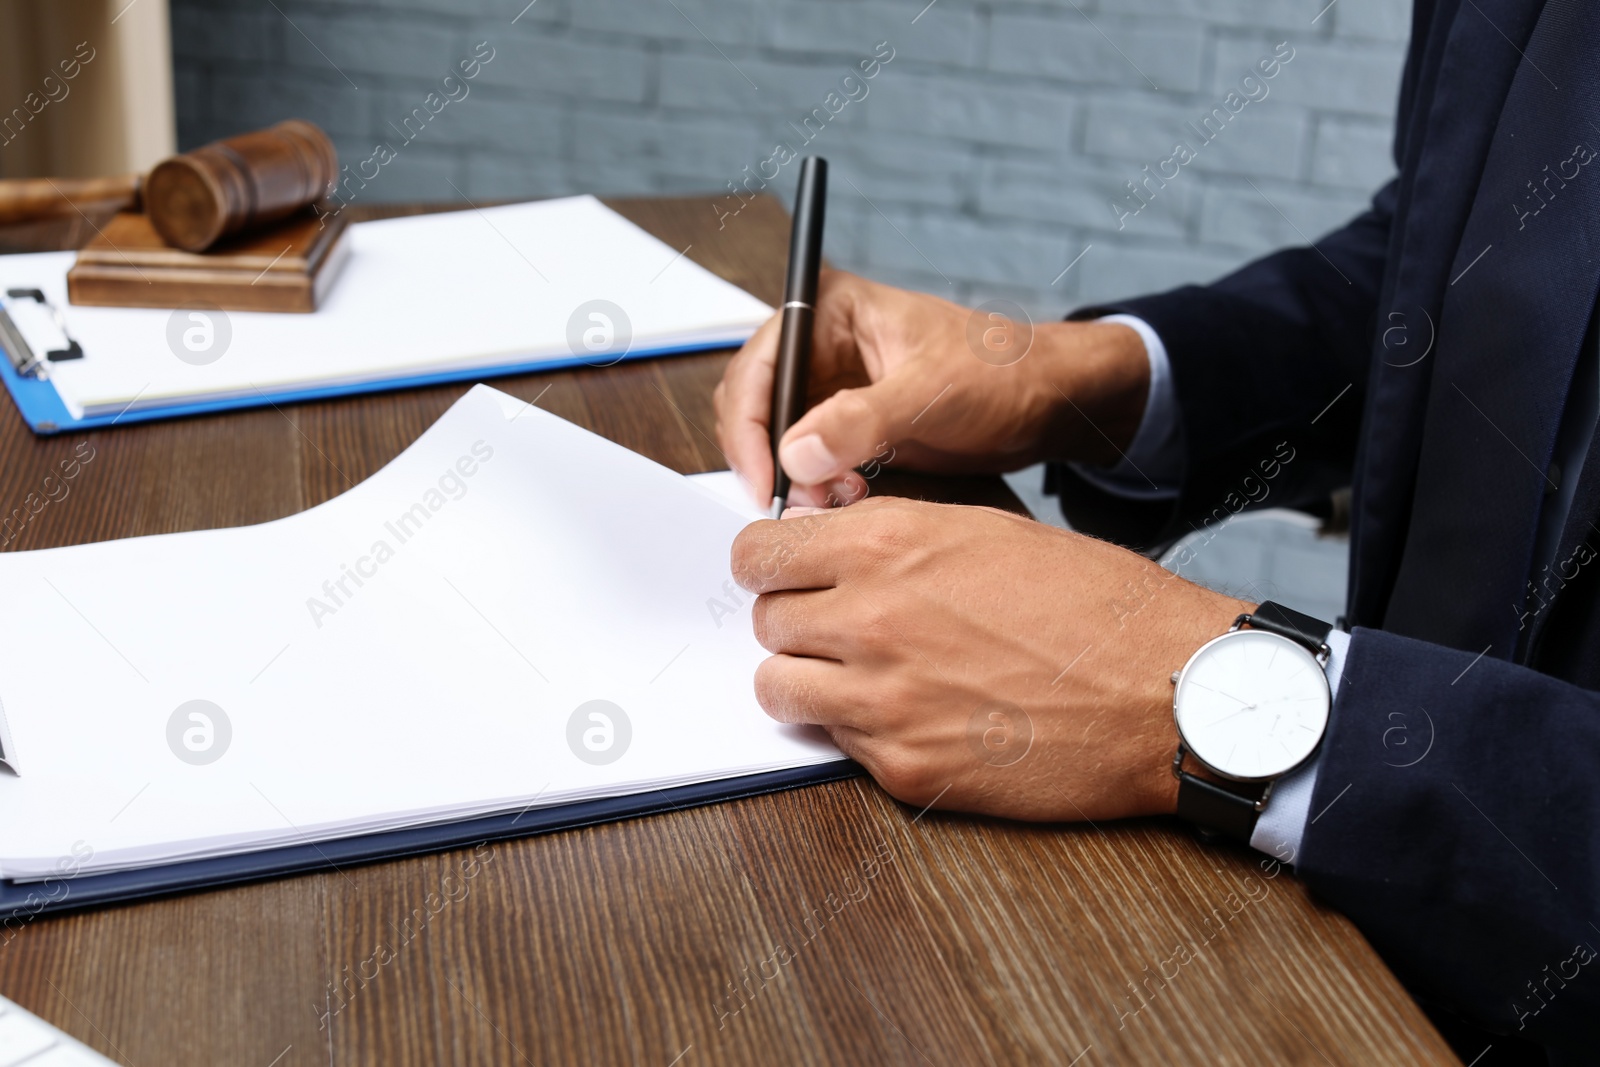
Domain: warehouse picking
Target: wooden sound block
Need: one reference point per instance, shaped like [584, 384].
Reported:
[285, 267]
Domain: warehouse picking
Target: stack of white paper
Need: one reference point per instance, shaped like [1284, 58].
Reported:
[412, 651]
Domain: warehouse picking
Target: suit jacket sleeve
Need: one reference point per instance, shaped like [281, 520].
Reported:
[1255, 358]
[1459, 828]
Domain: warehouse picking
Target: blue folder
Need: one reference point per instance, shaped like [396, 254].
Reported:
[21, 901]
[42, 408]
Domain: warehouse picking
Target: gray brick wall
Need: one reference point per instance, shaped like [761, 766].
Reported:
[983, 159]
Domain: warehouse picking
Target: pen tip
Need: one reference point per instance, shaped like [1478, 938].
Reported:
[776, 510]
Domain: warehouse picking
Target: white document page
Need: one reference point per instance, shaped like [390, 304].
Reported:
[411, 651]
[426, 294]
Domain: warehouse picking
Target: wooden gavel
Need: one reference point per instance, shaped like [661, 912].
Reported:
[197, 198]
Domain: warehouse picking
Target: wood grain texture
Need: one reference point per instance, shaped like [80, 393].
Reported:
[822, 925]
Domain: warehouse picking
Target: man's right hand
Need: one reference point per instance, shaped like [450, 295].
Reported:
[949, 389]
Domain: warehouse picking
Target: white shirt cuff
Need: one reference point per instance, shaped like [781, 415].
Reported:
[1152, 467]
[1283, 823]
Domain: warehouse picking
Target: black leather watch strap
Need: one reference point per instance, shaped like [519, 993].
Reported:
[1287, 622]
[1213, 807]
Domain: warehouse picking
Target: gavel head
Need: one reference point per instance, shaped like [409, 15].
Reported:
[196, 199]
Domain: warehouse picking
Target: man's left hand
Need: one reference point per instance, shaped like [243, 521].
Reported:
[976, 659]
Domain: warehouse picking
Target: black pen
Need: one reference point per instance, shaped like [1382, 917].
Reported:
[799, 313]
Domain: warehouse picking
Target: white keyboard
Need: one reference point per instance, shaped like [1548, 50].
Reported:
[28, 1041]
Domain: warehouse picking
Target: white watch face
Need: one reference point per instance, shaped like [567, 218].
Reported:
[1251, 704]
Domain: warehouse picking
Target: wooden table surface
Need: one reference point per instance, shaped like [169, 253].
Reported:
[823, 925]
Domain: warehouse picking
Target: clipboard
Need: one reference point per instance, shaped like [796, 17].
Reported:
[22, 901]
[42, 408]
[420, 300]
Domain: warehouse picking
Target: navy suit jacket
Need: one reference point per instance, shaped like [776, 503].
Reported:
[1467, 845]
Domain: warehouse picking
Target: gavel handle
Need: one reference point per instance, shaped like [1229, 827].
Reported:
[29, 199]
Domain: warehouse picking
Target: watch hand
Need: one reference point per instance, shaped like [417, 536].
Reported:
[1231, 714]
